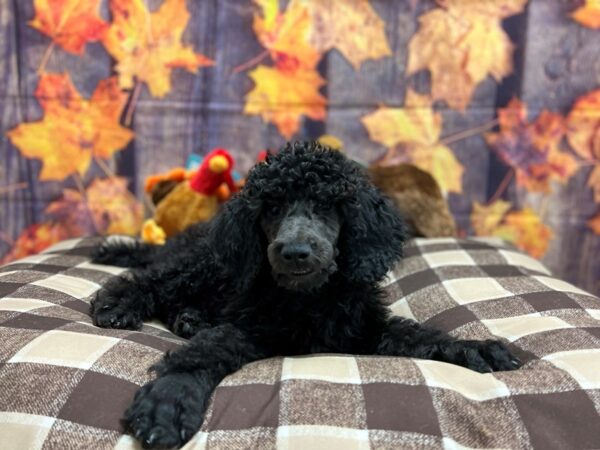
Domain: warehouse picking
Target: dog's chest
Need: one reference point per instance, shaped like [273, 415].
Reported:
[295, 328]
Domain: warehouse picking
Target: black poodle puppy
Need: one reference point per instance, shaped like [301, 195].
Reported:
[290, 266]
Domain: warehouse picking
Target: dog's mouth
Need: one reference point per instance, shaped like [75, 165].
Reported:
[304, 278]
[301, 272]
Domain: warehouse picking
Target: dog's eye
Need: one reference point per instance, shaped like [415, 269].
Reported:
[273, 210]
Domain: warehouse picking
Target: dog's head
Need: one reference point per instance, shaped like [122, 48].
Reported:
[308, 212]
[302, 237]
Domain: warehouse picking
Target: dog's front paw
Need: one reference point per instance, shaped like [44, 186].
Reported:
[166, 412]
[117, 251]
[481, 356]
[111, 311]
[102, 254]
[188, 322]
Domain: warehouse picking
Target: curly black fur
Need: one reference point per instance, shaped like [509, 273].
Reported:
[217, 284]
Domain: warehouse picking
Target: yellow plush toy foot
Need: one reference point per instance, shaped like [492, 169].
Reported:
[152, 233]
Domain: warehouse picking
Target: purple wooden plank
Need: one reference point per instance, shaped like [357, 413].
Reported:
[562, 62]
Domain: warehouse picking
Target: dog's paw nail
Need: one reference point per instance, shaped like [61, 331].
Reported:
[151, 439]
[184, 435]
[138, 434]
[488, 369]
[105, 307]
[516, 362]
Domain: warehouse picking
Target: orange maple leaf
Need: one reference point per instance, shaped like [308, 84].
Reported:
[594, 224]
[147, 46]
[588, 14]
[286, 34]
[282, 97]
[73, 130]
[531, 234]
[594, 182]
[460, 44]
[583, 126]
[34, 239]
[532, 149]
[416, 128]
[353, 27]
[583, 134]
[106, 207]
[70, 23]
[282, 94]
[523, 227]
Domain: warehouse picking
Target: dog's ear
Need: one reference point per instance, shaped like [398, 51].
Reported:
[371, 237]
[237, 242]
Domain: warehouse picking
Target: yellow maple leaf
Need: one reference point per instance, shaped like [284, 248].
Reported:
[106, 207]
[523, 227]
[282, 97]
[353, 27]
[59, 159]
[497, 8]
[417, 128]
[286, 34]
[115, 209]
[486, 218]
[441, 163]
[147, 46]
[460, 44]
[594, 224]
[588, 14]
[72, 130]
[70, 23]
[416, 123]
[265, 23]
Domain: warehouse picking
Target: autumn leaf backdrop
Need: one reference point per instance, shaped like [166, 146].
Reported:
[498, 99]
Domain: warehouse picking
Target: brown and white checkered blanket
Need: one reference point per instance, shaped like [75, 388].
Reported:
[65, 383]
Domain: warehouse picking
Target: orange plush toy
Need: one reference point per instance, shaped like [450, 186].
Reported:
[183, 199]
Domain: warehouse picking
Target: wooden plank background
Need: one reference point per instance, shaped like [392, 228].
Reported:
[556, 61]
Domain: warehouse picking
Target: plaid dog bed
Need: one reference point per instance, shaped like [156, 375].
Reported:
[65, 383]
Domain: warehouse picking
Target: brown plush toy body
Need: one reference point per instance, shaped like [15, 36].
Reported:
[184, 207]
[419, 197]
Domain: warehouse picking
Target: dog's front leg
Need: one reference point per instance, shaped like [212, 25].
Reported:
[156, 291]
[169, 410]
[124, 302]
[405, 337]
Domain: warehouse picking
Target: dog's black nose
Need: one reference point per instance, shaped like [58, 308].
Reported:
[295, 252]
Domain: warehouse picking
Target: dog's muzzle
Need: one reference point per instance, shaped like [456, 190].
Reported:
[301, 265]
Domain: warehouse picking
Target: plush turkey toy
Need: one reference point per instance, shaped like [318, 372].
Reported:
[183, 199]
